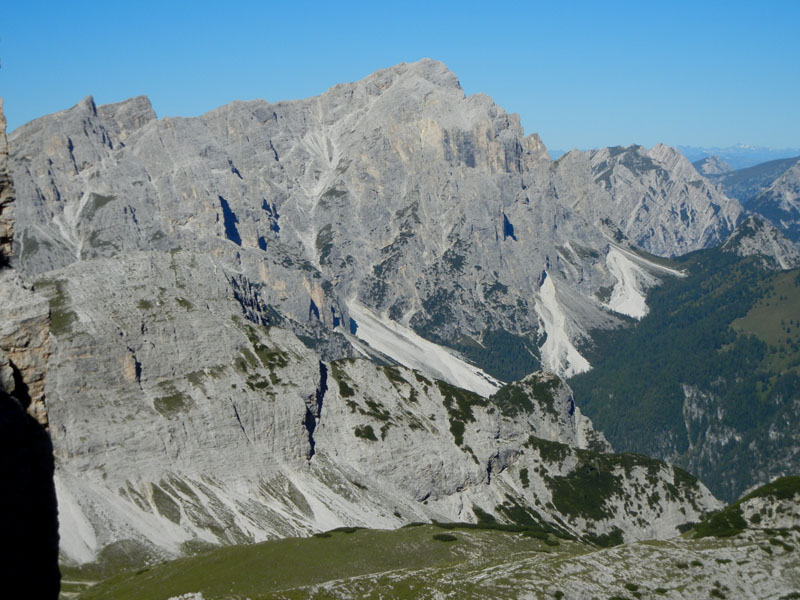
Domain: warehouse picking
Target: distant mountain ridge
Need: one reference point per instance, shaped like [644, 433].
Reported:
[739, 156]
[770, 189]
[747, 183]
[712, 165]
[780, 202]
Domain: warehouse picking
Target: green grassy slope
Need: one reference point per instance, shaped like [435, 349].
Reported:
[260, 570]
[427, 562]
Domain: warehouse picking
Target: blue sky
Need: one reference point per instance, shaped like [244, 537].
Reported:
[581, 74]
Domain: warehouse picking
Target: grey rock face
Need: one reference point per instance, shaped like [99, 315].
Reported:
[6, 195]
[757, 237]
[24, 343]
[425, 205]
[655, 197]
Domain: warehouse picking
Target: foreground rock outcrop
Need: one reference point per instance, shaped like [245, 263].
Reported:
[28, 512]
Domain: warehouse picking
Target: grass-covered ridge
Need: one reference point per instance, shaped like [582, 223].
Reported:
[261, 570]
[430, 561]
[522, 396]
[782, 488]
[731, 520]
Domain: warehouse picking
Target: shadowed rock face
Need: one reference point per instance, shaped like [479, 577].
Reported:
[28, 510]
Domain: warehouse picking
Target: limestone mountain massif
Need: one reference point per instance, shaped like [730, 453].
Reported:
[424, 205]
[354, 309]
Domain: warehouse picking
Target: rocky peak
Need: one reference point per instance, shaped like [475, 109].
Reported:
[712, 165]
[755, 236]
[128, 115]
[431, 70]
[674, 161]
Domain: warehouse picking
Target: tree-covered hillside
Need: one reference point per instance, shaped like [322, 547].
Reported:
[710, 378]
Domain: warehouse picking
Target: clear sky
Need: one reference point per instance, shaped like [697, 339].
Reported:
[581, 74]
